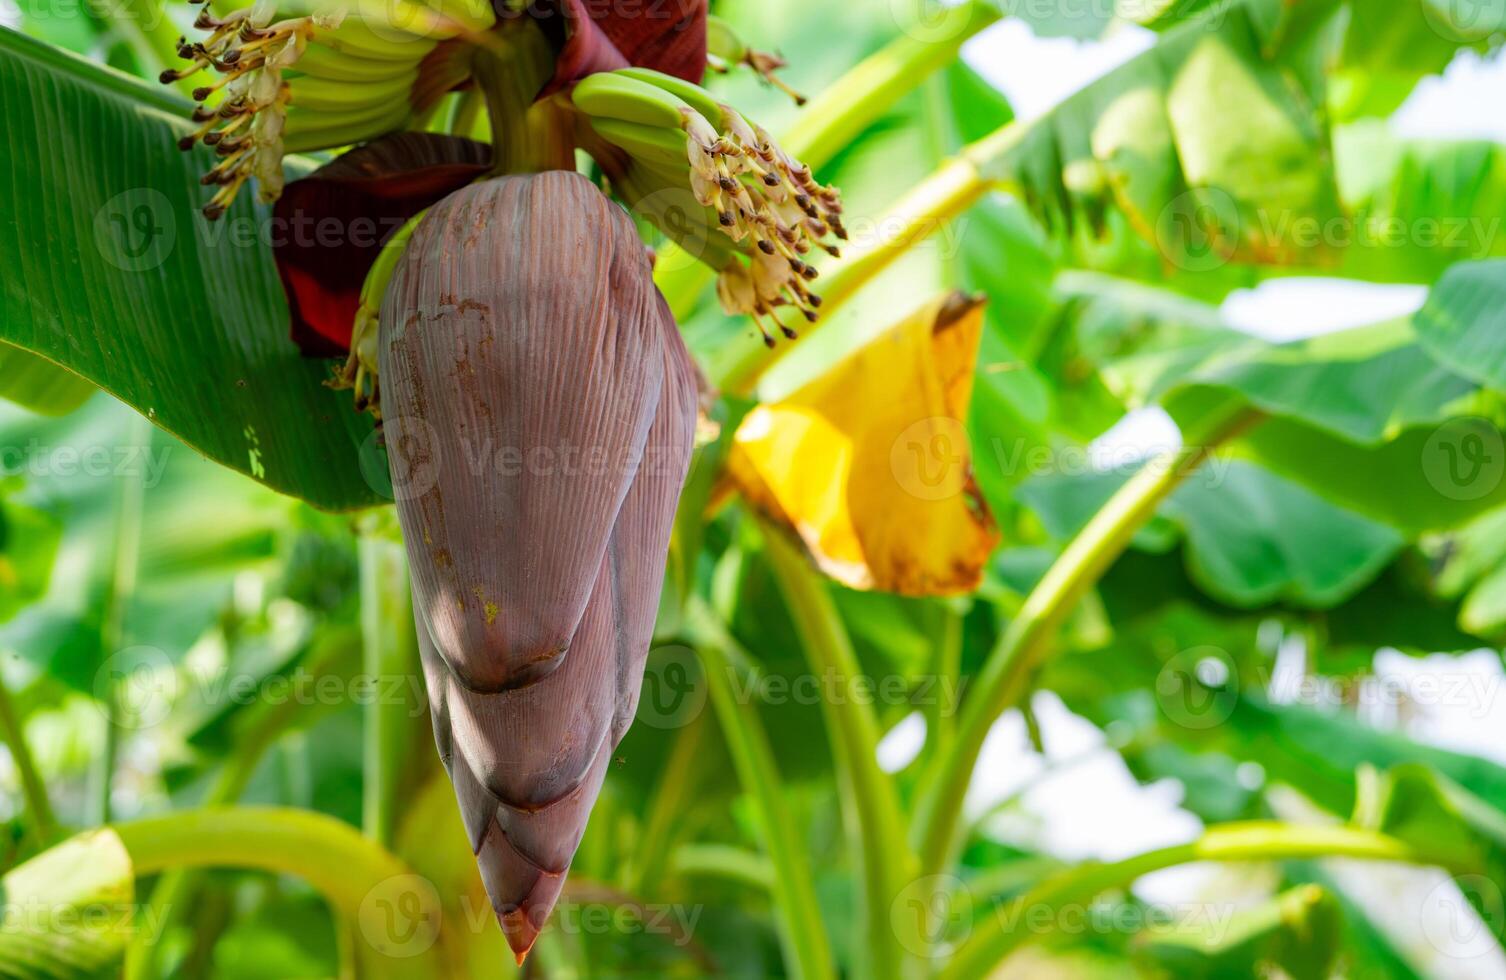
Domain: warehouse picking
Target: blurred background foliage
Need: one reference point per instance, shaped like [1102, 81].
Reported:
[1307, 630]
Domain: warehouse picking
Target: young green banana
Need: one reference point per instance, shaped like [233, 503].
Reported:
[693, 95]
[309, 129]
[354, 36]
[616, 95]
[326, 95]
[647, 144]
[723, 42]
[321, 61]
[767, 205]
[360, 370]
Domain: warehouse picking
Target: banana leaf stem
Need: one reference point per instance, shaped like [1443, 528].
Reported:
[807, 952]
[389, 651]
[1002, 933]
[946, 667]
[1005, 677]
[44, 824]
[364, 884]
[726, 862]
[175, 887]
[671, 798]
[868, 792]
[125, 559]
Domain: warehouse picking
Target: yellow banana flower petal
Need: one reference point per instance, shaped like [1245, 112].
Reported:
[870, 464]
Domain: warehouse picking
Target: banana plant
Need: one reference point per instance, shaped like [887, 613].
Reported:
[452, 262]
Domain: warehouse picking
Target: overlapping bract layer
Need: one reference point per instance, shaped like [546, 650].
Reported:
[540, 415]
[333, 224]
[668, 36]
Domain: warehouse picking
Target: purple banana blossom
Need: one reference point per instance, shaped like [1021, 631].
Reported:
[540, 410]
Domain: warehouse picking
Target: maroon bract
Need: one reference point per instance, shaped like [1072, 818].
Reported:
[602, 35]
[522, 331]
[331, 224]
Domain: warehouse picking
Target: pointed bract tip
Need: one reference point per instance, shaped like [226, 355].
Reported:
[520, 932]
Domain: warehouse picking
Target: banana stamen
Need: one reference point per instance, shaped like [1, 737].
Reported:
[250, 53]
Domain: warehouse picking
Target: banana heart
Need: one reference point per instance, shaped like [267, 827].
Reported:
[540, 411]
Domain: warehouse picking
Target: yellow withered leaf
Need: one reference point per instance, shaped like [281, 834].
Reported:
[870, 465]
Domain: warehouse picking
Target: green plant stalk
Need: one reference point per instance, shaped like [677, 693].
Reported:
[886, 859]
[336, 860]
[510, 73]
[44, 824]
[995, 938]
[844, 109]
[946, 666]
[469, 120]
[389, 650]
[807, 953]
[841, 112]
[726, 862]
[175, 887]
[670, 800]
[125, 559]
[1006, 675]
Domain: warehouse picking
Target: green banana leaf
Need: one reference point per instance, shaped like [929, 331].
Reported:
[38, 384]
[1416, 803]
[1464, 322]
[1366, 419]
[118, 278]
[68, 912]
[1252, 538]
[1416, 207]
[28, 545]
[1181, 158]
[1384, 47]
[1297, 932]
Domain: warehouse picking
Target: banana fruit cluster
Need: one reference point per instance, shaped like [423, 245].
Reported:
[323, 79]
[665, 135]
